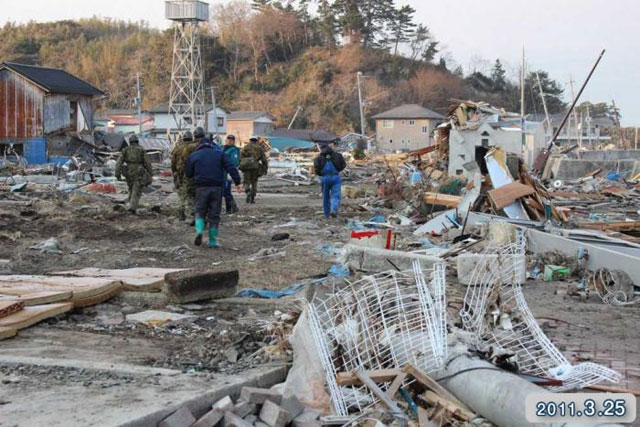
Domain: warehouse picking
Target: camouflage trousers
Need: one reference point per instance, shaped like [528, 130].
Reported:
[250, 180]
[135, 192]
[187, 198]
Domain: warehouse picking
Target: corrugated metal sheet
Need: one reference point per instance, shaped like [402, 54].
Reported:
[21, 105]
[57, 113]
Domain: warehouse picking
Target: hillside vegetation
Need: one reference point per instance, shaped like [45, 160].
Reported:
[272, 57]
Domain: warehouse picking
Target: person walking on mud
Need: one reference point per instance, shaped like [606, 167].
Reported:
[134, 164]
[233, 153]
[208, 166]
[328, 165]
[253, 164]
[183, 185]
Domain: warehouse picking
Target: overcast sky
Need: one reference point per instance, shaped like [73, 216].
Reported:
[561, 36]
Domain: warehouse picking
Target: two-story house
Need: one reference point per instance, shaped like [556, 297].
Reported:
[405, 128]
[243, 124]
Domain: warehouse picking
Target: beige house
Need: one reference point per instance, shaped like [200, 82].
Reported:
[405, 128]
[243, 124]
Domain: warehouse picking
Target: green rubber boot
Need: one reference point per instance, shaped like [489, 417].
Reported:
[213, 235]
[199, 231]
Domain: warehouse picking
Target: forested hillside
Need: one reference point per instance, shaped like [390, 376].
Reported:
[266, 55]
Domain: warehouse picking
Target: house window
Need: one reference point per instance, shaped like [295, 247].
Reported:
[391, 141]
[402, 122]
[485, 142]
[387, 124]
[220, 122]
[412, 122]
[459, 171]
[425, 129]
[462, 156]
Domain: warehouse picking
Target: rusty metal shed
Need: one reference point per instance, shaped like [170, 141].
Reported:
[38, 101]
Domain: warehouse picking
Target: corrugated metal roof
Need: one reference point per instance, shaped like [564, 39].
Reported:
[409, 111]
[54, 80]
[248, 115]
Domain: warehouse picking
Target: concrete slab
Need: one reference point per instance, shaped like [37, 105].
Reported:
[198, 285]
[467, 263]
[377, 260]
[158, 318]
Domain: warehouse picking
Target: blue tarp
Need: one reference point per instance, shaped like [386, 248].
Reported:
[281, 144]
[35, 151]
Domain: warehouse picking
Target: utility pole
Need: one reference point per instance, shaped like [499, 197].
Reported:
[362, 121]
[215, 111]
[575, 114]
[522, 120]
[544, 101]
[295, 116]
[616, 115]
[636, 138]
[139, 103]
[588, 120]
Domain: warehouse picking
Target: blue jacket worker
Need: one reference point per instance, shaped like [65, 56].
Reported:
[328, 165]
[233, 153]
[208, 166]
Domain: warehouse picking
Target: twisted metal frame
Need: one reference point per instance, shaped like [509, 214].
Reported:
[383, 321]
[496, 312]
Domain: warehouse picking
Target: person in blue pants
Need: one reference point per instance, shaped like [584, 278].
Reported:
[328, 165]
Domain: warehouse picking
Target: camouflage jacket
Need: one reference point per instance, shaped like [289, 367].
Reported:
[254, 150]
[179, 157]
[134, 164]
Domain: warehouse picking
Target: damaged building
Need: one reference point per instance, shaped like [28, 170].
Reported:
[38, 107]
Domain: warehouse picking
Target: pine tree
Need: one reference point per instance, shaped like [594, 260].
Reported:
[401, 26]
[499, 77]
[375, 13]
[328, 23]
[552, 93]
[260, 4]
[349, 19]
[422, 44]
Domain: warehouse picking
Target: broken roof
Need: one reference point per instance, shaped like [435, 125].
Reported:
[248, 115]
[312, 135]
[409, 111]
[54, 80]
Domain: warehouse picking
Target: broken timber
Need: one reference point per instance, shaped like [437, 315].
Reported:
[440, 199]
[378, 376]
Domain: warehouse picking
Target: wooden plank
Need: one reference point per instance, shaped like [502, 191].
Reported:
[32, 315]
[507, 194]
[440, 199]
[377, 391]
[423, 418]
[378, 376]
[10, 307]
[97, 299]
[431, 384]
[80, 292]
[38, 298]
[615, 226]
[450, 406]
[611, 389]
[7, 332]
[396, 384]
[135, 279]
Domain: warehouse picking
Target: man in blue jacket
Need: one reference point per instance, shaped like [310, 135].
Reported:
[208, 166]
[233, 153]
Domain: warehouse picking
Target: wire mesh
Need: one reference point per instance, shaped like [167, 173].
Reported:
[495, 310]
[383, 321]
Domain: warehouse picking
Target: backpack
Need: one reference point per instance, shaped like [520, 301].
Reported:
[248, 164]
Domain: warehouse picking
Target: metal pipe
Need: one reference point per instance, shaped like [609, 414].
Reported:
[575, 101]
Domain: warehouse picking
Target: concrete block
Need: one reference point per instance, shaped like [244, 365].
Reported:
[159, 318]
[260, 424]
[243, 408]
[292, 405]
[210, 419]
[181, 418]
[467, 263]
[223, 405]
[260, 395]
[273, 415]
[232, 420]
[376, 260]
[251, 418]
[308, 418]
[197, 285]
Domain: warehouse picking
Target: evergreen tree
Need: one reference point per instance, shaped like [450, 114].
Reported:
[499, 77]
[422, 45]
[260, 4]
[375, 14]
[349, 19]
[553, 93]
[328, 23]
[401, 26]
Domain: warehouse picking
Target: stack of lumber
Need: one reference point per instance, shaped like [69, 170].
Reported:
[29, 299]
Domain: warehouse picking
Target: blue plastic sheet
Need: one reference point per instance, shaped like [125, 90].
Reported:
[268, 294]
[339, 270]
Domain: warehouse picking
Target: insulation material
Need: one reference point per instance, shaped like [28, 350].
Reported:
[497, 314]
[380, 322]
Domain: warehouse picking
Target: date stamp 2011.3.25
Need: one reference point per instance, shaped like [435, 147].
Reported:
[586, 407]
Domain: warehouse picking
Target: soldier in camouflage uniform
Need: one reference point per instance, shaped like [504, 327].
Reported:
[253, 164]
[184, 186]
[134, 164]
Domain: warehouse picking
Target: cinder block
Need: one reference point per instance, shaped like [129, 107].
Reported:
[308, 418]
[197, 285]
[223, 405]
[232, 420]
[260, 395]
[244, 408]
[210, 419]
[274, 415]
[181, 418]
[292, 405]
